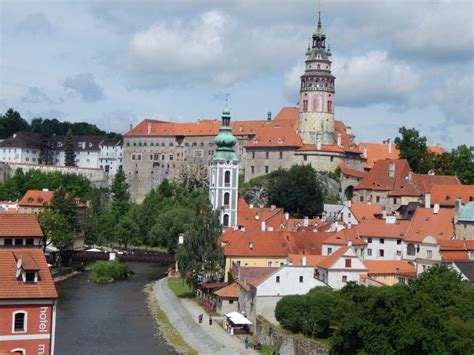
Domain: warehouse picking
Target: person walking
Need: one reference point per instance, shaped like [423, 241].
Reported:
[210, 320]
[246, 341]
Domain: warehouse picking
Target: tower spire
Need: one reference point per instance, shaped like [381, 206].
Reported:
[319, 18]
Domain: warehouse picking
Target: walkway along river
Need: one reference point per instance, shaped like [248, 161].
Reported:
[108, 319]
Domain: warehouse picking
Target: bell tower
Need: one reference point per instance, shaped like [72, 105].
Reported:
[224, 174]
[317, 95]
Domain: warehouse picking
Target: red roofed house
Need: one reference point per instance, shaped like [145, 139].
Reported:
[390, 272]
[20, 230]
[446, 195]
[27, 302]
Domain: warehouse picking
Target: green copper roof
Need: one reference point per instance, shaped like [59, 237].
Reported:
[225, 140]
[467, 213]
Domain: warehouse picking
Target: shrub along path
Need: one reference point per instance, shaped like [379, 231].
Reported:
[183, 315]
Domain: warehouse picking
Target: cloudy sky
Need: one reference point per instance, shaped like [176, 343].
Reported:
[113, 63]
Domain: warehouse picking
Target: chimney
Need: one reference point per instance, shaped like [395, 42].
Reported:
[263, 226]
[273, 207]
[349, 225]
[391, 169]
[390, 220]
[269, 115]
[348, 203]
[306, 221]
[427, 200]
[389, 146]
[436, 208]
[364, 152]
[242, 229]
[251, 205]
[287, 215]
[257, 217]
[45, 190]
[250, 245]
[339, 139]
[457, 209]
[148, 127]
[349, 243]
[303, 260]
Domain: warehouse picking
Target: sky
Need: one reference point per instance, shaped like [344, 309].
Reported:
[113, 63]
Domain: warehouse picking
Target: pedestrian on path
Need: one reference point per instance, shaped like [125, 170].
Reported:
[210, 320]
[246, 341]
[200, 318]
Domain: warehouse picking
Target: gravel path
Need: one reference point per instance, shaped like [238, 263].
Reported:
[204, 338]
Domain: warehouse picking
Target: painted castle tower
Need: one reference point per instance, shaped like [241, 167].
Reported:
[316, 105]
[224, 174]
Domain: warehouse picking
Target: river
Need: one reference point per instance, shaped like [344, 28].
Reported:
[108, 319]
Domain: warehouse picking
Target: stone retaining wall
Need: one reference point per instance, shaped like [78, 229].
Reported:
[286, 343]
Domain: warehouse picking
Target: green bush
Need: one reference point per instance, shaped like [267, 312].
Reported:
[108, 271]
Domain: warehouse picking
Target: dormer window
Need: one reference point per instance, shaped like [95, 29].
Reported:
[30, 277]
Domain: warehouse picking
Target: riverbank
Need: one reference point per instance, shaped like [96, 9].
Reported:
[202, 337]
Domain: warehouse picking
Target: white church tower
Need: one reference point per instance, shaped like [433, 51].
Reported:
[224, 174]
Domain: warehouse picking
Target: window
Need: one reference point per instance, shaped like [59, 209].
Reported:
[18, 351]
[19, 322]
[238, 262]
[381, 253]
[395, 200]
[329, 251]
[198, 153]
[227, 178]
[231, 301]
[278, 279]
[171, 156]
[30, 276]
[369, 240]
[348, 262]
[399, 241]
[226, 199]
[305, 105]
[267, 155]
[301, 279]
[377, 199]
[305, 157]
[281, 155]
[226, 220]
[382, 241]
[361, 198]
[8, 242]
[30, 241]
[411, 249]
[269, 264]
[429, 254]
[252, 169]
[267, 169]
[136, 156]
[344, 278]
[19, 241]
[329, 106]
[253, 155]
[369, 252]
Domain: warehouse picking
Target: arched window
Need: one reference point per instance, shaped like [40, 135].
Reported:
[19, 322]
[319, 66]
[226, 220]
[227, 178]
[226, 199]
[18, 351]
[410, 249]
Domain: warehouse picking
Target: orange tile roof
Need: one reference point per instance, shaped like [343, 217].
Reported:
[378, 178]
[311, 259]
[269, 244]
[11, 288]
[454, 255]
[230, 291]
[329, 260]
[446, 195]
[390, 267]
[425, 182]
[42, 198]
[251, 218]
[380, 151]
[345, 236]
[36, 198]
[426, 223]
[350, 171]
[380, 229]
[19, 225]
[363, 211]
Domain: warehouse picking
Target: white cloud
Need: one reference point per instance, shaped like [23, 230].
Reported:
[85, 86]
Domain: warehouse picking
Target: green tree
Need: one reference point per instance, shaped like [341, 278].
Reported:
[65, 204]
[200, 257]
[12, 122]
[69, 150]
[296, 190]
[413, 148]
[56, 228]
[126, 231]
[46, 150]
[120, 195]
[459, 162]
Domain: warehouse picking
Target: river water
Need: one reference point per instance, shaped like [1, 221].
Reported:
[108, 319]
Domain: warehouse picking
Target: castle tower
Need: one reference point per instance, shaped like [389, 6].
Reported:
[224, 174]
[317, 99]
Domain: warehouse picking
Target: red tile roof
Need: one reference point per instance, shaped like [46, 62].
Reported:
[350, 171]
[19, 226]
[251, 218]
[390, 267]
[11, 288]
[446, 195]
[42, 198]
[363, 211]
[426, 223]
[312, 260]
[230, 291]
[380, 229]
[344, 236]
[425, 182]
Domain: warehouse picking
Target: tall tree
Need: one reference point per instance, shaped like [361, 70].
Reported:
[12, 122]
[65, 204]
[56, 228]
[413, 148]
[120, 195]
[200, 257]
[459, 162]
[296, 190]
[46, 150]
[69, 150]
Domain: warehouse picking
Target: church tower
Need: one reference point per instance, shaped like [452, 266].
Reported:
[224, 174]
[317, 99]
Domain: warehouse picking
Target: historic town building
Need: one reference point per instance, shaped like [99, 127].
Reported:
[224, 174]
[307, 133]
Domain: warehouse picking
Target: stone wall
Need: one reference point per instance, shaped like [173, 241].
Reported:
[285, 343]
[4, 172]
